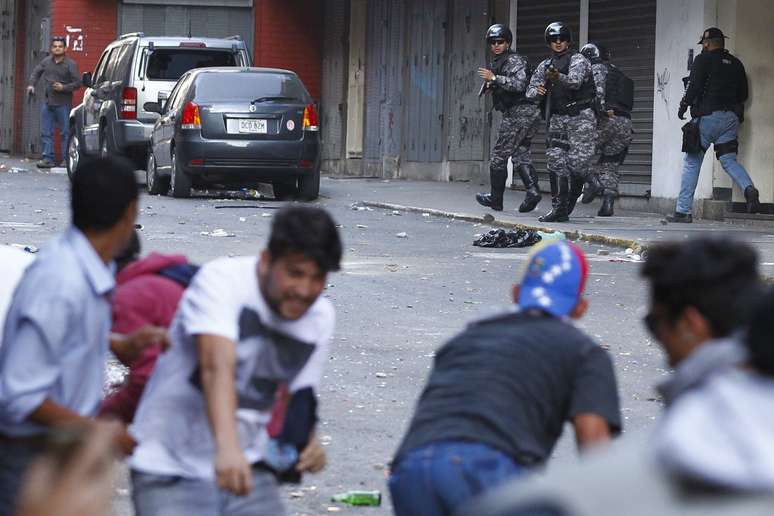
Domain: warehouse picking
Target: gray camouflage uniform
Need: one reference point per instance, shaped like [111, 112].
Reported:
[519, 123]
[573, 146]
[614, 135]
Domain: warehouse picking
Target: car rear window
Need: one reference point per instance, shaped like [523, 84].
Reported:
[214, 86]
[169, 64]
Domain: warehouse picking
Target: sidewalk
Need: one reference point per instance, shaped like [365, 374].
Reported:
[625, 229]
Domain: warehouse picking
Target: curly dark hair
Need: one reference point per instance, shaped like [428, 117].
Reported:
[309, 231]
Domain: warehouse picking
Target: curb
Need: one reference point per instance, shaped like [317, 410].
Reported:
[574, 235]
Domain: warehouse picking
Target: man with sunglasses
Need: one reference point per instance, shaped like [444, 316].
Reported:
[507, 80]
[61, 78]
[566, 84]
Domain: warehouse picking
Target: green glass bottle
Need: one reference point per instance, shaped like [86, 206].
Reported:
[372, 498]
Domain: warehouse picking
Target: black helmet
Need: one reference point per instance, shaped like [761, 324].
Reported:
[498, 30]
[593, 50]
[558, 30]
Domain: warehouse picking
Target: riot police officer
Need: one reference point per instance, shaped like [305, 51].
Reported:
[615, 99]
[717, 90]
[507, 80]
[565, 83]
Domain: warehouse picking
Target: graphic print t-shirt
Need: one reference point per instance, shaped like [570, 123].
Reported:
[171, 425]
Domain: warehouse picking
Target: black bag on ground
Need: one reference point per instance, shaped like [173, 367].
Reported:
[619, 91]
[691, 138]
[502, 239]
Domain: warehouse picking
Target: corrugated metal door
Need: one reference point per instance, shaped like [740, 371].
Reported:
[7, 71]
[533, 16]
[334, 74]
[38, 35]
[467, 52]
[628, 29]
[423, 140]
[168, 20]
[384, 80]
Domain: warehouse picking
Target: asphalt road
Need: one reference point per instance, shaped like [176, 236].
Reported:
[397, 301]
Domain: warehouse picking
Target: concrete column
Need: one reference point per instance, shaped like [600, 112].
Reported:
[356, 88]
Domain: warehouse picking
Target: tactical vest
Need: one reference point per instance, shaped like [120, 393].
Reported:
[619, 91]
[565, 101]
[720, 89]
[503, 100]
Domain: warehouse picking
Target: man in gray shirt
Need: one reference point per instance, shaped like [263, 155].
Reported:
[56, 333]
[61, 78]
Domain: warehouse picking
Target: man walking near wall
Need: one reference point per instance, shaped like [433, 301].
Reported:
[60, 79]
[717, 90]
[507, 79]
[565, 83]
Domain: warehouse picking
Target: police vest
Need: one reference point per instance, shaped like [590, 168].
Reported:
[619, 91]
[503, 100]
[565, 101]
[720, 89]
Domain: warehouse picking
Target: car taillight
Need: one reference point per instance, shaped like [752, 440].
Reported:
[128, 108]
[311, 122]
[191, 118]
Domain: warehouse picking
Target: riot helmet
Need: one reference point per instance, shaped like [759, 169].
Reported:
[558, 30]
[593, 50]
[499, 31]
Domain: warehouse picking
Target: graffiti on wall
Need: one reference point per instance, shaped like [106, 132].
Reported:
[75, 38]
[662, 86]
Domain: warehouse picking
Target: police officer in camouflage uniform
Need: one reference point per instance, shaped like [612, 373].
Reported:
[507, 81]
[566, 84]
[614, 133]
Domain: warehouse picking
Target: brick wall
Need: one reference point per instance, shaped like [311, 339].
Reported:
[288, 34]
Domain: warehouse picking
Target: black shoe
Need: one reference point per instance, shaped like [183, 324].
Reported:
[528, 176]
[753, 202]
[592, 190]
[576, 188]
[559, 211]
[45, 163]
[685, 218]
[608, 199]
[485, 199]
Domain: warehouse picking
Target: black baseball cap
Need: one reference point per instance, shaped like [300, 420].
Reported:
[712, 33]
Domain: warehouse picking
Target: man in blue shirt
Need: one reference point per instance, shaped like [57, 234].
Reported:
[56, 333]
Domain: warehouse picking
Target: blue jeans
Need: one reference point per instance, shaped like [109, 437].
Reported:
[719, 127]
[437, 479]
[50, 118]
[15, 459]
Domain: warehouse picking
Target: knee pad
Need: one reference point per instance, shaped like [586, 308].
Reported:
[722, 149]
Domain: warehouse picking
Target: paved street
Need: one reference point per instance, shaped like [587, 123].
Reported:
[397, 300]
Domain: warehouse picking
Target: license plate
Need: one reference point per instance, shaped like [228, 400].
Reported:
[253, 126]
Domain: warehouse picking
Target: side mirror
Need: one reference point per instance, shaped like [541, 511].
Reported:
[152, 107]
[162, 99]
[86, 79]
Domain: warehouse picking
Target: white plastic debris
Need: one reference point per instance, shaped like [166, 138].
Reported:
[402, 234]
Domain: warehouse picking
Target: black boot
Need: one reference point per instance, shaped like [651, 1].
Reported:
[753, 202]
[593, 189]
[576, 188]
[494, 200]
[608, 199]
[559, 211]
[528, 176]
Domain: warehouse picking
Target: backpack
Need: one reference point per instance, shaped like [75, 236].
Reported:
[619, 90]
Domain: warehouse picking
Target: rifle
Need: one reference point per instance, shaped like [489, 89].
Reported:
[483, 89]
[547, 111]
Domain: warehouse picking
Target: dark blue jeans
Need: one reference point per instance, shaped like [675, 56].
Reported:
[50, 118]
[439, 478]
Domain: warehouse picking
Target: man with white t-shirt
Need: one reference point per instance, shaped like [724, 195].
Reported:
[245, 329]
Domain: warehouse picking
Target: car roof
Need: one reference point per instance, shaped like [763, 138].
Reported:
[176, 40]
[241, 69]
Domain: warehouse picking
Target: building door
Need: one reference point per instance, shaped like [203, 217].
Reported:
[7, 71]
[424, 81]
[533, 16]
[38, 36]
[628, 30]
[334, 78]
[218, 19]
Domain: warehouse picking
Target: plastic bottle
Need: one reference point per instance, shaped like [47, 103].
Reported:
[551, 237]
[370, 498]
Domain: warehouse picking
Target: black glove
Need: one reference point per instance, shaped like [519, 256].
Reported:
[682, 110]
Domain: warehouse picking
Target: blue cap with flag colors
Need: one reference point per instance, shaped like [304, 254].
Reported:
[554, 278]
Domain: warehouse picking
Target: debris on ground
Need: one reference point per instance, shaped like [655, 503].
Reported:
[357, 206]
[57, 170]
[501, 238]
[402, 234]
[363, 498]
[362, 226]
[17, 170]
[217, 233]
[554, 236]
[25, 247]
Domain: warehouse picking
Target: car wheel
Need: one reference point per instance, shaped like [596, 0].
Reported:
[73, 153]
[284, 190]
[156, 185]
[105, 146]
[180, 183]
[309, 186]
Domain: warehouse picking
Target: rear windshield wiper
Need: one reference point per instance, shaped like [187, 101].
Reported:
[265, 99]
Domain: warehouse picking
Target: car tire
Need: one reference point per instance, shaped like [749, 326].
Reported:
[309, 186]
[284, 190]
[74, 153]
[106, 147]
[180, 183]
[156, 185]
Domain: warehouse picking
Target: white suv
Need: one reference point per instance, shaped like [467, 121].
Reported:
[133, 70]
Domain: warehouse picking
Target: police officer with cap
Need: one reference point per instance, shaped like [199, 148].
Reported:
[507, 80]
[564, 81]
[717, 90]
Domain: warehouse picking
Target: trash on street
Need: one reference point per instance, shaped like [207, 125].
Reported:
[500, 238]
